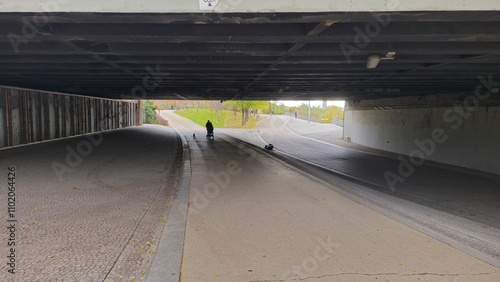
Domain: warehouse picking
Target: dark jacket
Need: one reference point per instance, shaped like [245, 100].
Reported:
[210, 127]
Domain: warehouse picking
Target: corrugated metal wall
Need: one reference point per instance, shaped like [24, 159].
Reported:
[28, 116]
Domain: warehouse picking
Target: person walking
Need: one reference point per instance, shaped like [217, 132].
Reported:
[210, 128]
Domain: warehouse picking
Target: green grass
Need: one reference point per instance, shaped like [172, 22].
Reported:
[219, 119]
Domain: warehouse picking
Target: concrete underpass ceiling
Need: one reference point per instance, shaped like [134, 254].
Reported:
[249, 56]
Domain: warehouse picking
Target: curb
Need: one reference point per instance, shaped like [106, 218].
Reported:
[168, 258]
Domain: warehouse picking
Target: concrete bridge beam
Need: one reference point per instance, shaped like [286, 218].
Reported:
[241, 6]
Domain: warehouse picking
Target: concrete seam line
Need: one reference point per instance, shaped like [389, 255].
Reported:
[167, 262]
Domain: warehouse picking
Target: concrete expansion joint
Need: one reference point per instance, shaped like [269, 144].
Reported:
[268, 280]
[381, 274]
[397, 274]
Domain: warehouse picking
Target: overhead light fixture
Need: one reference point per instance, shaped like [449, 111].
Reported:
[372, 61]
[391, 55]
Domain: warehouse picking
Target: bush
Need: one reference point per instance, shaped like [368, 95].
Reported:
[149, 112]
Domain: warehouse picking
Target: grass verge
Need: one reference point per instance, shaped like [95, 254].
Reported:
[219, 118]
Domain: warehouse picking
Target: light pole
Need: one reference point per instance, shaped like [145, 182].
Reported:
[309, 113]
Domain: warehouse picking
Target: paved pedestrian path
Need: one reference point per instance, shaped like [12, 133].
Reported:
[89, 208]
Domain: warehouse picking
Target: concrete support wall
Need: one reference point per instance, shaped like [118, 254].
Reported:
[461, 130]
[28, 116]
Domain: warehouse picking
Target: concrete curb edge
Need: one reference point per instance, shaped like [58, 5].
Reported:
[168, 258]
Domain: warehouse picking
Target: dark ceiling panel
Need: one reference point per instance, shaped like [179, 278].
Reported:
[250, 56]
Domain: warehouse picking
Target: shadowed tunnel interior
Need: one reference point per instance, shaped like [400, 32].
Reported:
[249, 55]
[404, 76]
